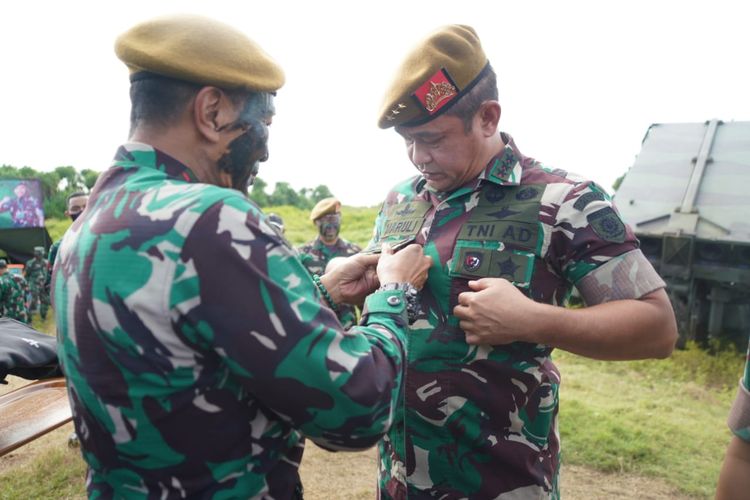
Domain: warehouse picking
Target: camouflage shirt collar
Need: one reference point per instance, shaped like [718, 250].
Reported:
[146, 156]
[504, 169]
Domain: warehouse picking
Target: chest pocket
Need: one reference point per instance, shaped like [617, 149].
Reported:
[501, 237]
[402, 224]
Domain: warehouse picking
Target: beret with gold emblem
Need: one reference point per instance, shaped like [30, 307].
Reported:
[200, 50]
[435, 74]
[324, 207]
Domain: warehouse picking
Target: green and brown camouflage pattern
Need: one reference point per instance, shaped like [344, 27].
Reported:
[37, 275]
[481, 421]
[13, 297]
[739, 416]
[196, 347]
[315, 256]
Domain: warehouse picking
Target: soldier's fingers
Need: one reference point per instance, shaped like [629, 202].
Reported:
[386, 248]
[367, 260]
[473, 339]
[464, 298]
[461, 312]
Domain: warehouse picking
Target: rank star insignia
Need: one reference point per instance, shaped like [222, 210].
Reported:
[472, 261]
[508, 267]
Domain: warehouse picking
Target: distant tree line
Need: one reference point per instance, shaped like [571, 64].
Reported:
[56, 184]
[284, 194]
[62, 181]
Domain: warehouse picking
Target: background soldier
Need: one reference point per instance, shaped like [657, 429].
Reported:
[197, 349]
[12, 295]
[37, 275]
[76, 205]
[316, 254]
[510, 238]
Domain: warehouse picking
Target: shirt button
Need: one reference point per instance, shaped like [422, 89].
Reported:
[393, 300]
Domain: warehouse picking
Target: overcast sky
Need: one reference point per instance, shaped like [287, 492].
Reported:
[580, 82]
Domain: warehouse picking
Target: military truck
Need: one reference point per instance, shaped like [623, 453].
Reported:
[687, 197]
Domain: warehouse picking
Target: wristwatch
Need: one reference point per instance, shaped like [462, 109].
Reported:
[411, 294]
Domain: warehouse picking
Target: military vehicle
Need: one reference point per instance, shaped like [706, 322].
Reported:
[687, 197]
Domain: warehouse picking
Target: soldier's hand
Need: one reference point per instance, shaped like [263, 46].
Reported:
[409, 264]
[495, 312]
[349, 280]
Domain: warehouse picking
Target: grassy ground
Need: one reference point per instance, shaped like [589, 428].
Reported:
[635, 430]
[630, 430]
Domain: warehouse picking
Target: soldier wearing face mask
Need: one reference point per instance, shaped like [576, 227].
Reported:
[76, 205]
[316, 254]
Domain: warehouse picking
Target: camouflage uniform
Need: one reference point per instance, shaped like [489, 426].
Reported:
[481, 421]
[196, 347]
[24, 211]
[739, 416]
[37, 275]
[13, 298]
[52, 255]
[315, 255]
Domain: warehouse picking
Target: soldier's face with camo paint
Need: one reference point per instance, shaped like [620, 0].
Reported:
[444, 153]
[329, 227]
[244, 154]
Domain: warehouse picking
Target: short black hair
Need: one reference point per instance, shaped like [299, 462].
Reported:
[159, 100]
[468, 105]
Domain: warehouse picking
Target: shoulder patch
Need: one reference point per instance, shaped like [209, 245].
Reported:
[607, 224]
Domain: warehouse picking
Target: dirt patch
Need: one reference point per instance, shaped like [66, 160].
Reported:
[344, 476]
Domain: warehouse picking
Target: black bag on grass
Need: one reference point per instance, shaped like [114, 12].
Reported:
[26, 353]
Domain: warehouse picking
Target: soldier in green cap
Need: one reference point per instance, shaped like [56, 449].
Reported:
[316, 254]
[510, 238]
[198, 351]
[37, 275]
[12, 295]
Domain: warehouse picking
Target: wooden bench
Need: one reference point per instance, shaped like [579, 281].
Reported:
[32, 411]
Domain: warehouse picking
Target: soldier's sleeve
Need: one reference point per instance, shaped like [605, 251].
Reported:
[596, 251]
[242, 294]
[739, 415]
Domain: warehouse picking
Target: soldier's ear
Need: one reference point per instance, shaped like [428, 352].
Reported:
[207, 113]
[488, 116]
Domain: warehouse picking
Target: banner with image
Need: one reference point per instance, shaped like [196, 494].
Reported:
[21, 203]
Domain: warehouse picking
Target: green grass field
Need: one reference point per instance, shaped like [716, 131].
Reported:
[662, 419]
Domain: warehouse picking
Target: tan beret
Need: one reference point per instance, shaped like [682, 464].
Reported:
[200, 50]
[324, 207]
[435, 74]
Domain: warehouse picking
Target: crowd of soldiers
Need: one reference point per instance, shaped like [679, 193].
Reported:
[22, 294]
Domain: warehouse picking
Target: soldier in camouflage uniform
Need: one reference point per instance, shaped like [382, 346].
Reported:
[734, 479]
[197, 349]
[316, 254]
[37, 275]
[510, 238]
[25, 210]
[12, 295]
